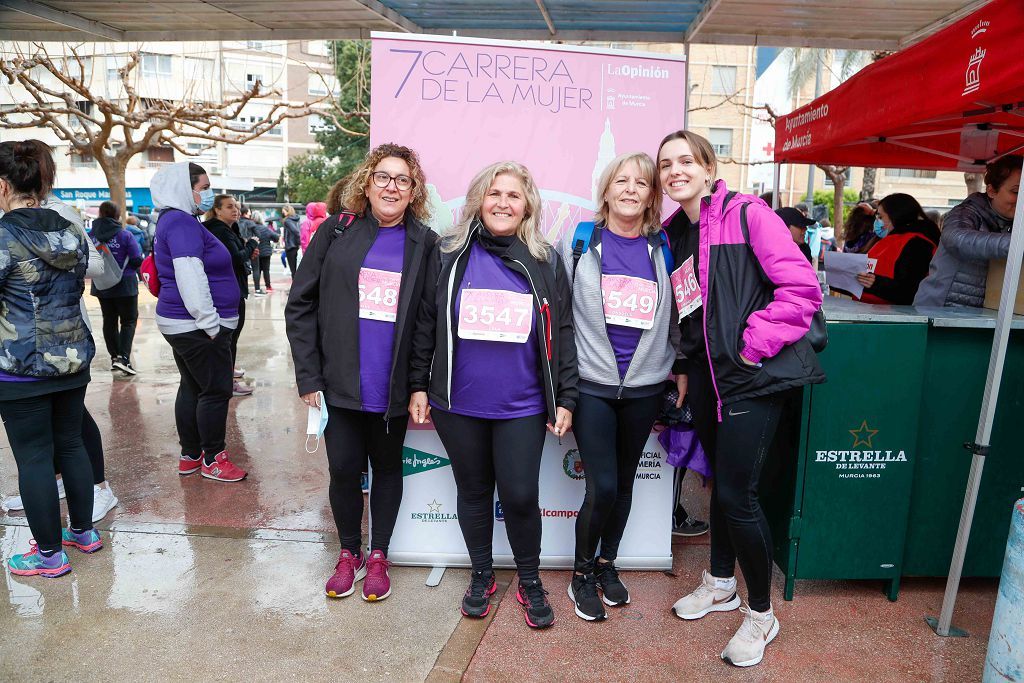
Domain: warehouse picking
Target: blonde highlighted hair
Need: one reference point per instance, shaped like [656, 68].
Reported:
[528, 231]
[651, 224]
[350, 193]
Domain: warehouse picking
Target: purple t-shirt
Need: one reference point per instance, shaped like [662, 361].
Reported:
[179, 235]
[493, 379]
[377, 337]
[625, 256]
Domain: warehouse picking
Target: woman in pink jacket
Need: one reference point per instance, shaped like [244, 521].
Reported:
[316, 212]
[746, 296]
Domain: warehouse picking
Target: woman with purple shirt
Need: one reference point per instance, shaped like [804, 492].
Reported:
[624, 312]
[197, 312]
[120, 303]
[369, 264]
[494, 359]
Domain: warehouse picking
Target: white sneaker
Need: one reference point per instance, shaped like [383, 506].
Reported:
[712, 595]
[757, 630]
[103, 501]
[15, 503]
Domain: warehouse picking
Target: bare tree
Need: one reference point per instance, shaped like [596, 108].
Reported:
[113, 130]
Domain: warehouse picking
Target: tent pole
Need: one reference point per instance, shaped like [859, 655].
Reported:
[777, 192]
[686, 87]
[980, 446]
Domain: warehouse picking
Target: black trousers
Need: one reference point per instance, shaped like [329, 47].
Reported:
[737, 448]
[506, 453]
[237, 332]
[93, 441]
[120, 316]
[201, 407]
[256, 272]
[41, 429]
[611, 434]
[265, 269]
[292, 256]
[351, 436]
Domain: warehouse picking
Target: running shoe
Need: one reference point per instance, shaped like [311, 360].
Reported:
[746, 648]
[534, 600]
[34, 563]
[685, 525]
[187, 465]
[87, 541]
[222, 469]
[583, 593]
[712, 595]
[377, 584]
[124, 366]
[239, 373]
[348, 570]
[241, 389]
[15, 503]
[103, 501]
[613, 591]
[477, 600]
[269, 289]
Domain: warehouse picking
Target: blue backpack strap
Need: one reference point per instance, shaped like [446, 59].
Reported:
[581, 242]
[666, 252]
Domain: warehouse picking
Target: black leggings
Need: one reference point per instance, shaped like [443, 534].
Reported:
[265, 269]
[737, 448]
[351, 436]
[291, 255]
[201, 407]
[120, 316]
[611, 435]
[39, 430]
[93, 442]
[237, 332]
[507, 453]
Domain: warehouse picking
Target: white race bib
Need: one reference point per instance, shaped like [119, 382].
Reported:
[378, 294]
[686, 289]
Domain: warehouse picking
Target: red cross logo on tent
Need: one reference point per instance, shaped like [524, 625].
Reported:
[769, 148]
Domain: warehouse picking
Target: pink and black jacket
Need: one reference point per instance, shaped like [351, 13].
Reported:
[758, 300]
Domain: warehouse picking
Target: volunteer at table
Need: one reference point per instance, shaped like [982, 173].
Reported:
[494, 362]
[624, 314]
[908, 240]
[746, 300]
[350, 319]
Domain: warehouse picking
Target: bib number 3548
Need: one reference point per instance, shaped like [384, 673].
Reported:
[378, 294]
[495, 315]
[686, 289]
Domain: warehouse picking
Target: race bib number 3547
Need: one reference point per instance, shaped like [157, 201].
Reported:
[495, 315]
[686, 289]
[378, 294]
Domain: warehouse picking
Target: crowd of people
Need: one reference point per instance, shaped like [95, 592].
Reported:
[579, 335]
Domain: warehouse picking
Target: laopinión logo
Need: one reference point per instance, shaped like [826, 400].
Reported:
[861, 464]
[572, 464]
[434, 514]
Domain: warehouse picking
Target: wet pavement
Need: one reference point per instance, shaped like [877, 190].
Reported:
[210, 581]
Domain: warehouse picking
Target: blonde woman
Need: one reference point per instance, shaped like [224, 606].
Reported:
[292, 236]
[367, 264]
[494, 359]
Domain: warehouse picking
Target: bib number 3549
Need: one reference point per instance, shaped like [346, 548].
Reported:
[686, 289]
[378, 294]
[629, 301]
[495, 315]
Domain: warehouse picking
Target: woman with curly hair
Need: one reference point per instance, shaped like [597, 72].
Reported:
[368, 262]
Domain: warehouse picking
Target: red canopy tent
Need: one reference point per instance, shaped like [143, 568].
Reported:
[954, 101]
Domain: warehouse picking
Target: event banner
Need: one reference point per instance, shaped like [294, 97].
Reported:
[563, 111]
[427, 532]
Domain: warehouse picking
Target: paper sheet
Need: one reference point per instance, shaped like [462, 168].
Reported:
[842, 269]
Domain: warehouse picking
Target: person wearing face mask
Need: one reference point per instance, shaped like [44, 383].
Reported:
[746, 297]
[197, 312]
[350, 319]
[222, 222]
[44, 359]
[907, 242]
[497, 313]
[858, 230]
[973, 232]
[624, 317]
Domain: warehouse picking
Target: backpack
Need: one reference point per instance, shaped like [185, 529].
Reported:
[112, 270]
[581, 242]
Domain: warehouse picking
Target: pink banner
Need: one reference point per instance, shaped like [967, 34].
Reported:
[564, 112]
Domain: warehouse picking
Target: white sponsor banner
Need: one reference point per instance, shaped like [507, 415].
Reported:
[427, 532]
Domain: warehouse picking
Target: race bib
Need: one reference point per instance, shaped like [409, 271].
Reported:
[378, 294]
[495, 315]
[629, 301]
[686, 289]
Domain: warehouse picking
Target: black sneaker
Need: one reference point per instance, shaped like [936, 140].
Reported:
[536, 608]
[124, 366]
[614, 593]
[476, 602]
[690, 527]
[583, 592]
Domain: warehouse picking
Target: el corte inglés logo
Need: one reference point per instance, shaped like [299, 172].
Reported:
[414, 461]
[572, 464]
[861, 464]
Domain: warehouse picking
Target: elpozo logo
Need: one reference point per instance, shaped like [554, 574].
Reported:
[861, 464]
[572, 464]
[434, 514]
[415, 462]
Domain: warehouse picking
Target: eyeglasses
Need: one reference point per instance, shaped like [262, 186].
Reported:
[402, 182]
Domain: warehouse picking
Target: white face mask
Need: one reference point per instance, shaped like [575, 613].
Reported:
[316, 422]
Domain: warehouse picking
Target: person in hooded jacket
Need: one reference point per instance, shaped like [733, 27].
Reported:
[906, 245]
[746, 296]
[45, 352]
[974, 232]
[292, 236]
[247, 228]
[267, 239]
[197, 312]
[316, 212]
[120, 303]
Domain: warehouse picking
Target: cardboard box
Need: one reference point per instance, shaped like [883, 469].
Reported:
[994, 287]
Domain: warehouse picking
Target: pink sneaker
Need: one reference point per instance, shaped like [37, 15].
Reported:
[348, 570]
[377, 585]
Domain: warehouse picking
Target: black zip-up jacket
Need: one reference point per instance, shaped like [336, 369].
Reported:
[432, 348]
[292, 232]
[267, 237]
[241, 252]
[321, 317]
